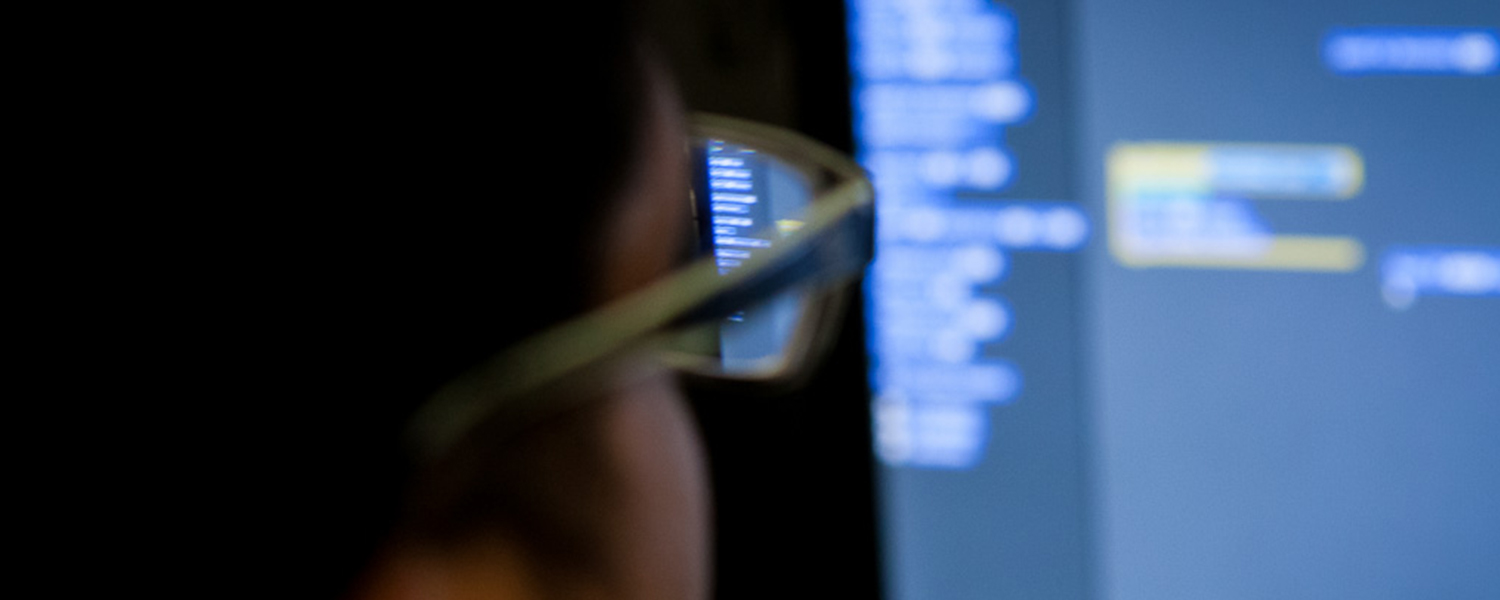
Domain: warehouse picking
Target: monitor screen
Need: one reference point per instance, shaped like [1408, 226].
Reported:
[1183, 299]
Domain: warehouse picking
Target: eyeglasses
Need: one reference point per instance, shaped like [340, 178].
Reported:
[784, 225]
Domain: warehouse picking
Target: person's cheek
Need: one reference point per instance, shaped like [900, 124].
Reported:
[664, 522]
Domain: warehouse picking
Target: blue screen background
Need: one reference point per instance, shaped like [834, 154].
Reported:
[1064, 415]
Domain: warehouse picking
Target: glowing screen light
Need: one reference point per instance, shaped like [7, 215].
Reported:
[1412, 51]
[936, 86]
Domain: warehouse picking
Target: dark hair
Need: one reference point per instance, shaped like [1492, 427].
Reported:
[397, 196]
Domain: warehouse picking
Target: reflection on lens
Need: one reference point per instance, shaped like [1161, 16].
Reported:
[748, 200]
[756, 339]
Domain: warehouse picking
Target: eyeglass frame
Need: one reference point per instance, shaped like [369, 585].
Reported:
[833, 247]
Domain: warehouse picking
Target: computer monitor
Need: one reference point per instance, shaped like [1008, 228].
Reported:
[1183, 299]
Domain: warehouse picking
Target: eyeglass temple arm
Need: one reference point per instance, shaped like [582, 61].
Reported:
[840, 253]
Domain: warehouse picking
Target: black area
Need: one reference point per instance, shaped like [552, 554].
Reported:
[823, 81]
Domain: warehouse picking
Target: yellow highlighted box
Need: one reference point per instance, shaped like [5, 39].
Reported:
[1190, 205]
